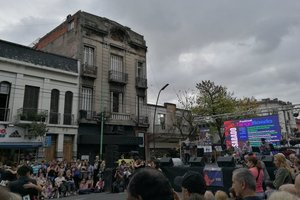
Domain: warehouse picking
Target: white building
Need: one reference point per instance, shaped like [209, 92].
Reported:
[37, 88]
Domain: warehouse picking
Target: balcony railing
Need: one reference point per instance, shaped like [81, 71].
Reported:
[120, 116]
[119, 77]
[54, 118]
[32, 114]
[68, 119]
[141, 82]
[89, 70]
[4, 114]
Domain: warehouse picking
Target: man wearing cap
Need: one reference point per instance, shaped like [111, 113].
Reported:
[191, 183]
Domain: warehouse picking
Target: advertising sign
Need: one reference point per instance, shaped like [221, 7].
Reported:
[237, 132]
[213, 177]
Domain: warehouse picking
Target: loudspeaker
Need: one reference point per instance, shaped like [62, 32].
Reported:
[197, 161]
[200, 152]
[268, 160]
[166, 162]
[226, 161]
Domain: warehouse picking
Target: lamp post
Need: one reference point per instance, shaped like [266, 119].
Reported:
[155, 115]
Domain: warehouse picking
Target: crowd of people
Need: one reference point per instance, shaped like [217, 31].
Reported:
[145, 180]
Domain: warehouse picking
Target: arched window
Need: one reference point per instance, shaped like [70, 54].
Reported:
[68, 108]
[4, 100]
[54, 115]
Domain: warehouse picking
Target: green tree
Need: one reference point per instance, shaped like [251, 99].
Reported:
[220, 105]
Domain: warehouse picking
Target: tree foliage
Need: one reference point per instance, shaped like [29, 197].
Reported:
[213, 102]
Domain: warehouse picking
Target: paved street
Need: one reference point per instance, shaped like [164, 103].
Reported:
[97, 196]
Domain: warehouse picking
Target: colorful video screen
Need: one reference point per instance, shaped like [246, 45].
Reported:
[237, 132]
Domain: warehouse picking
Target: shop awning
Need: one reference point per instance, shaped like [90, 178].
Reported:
[20, 145]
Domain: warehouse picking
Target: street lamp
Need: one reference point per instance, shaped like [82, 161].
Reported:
[155, 115]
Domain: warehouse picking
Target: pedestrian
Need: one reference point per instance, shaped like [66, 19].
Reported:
[191, 182]
[243, 183]
[149, 184]
[258, 173]
[283, 174]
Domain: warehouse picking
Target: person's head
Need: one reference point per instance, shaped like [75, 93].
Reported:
[24, 170]
[191, 182]
[251, 162]
[279, 160]
[6, 195]
[208, 195]
[282, 195]
[149, 184]
[243, 182]
[221, 195]
[290, 188]
[263, 140]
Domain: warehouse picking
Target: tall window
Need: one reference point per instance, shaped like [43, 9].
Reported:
[30, 103]
[54, 107]
[141, 70]
[116, 63]
[88, 55]
[86, 100]
[4, 100]
[161, 120]
[116, 101]
[68, 108]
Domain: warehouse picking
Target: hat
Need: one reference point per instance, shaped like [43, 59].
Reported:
[192, 181]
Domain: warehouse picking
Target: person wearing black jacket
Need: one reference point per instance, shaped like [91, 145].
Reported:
[25, 185]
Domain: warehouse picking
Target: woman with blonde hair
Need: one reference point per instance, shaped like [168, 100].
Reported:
[282, 175]
[221, 195]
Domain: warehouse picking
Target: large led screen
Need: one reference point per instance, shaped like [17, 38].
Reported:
[237, 132]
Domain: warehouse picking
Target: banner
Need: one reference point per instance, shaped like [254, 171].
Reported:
[213, 177]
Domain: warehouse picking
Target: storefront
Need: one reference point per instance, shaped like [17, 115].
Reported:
[16, 146]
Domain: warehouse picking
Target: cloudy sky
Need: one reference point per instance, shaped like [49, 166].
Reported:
[251, 47]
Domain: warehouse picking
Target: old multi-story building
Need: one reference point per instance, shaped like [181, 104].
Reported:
[113, 81]
[166, 133]
[38, 104]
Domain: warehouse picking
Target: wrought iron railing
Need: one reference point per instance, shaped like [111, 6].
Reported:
[116, 76]
[141, 82]
[32, 114]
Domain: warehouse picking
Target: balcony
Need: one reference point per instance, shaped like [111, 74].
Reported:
[141, 82]
[32, 114]
[89, 70]
[87, 116]
[68, 119]
[118, 77]
[4, 114]
[54, 118]
[119, 119]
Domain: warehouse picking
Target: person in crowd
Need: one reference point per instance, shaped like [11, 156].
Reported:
[191, 182]
[60, 183]
[221, 195]
[243, 183]
[10, 171]
[150, 184]
[138, 163]
[71, 189]
[96, 168]
[282, 195]
[118, 183]
[84, 187]
[6, 195]
[290, 188]
[269, 189]
[208, 195]
[254, 167]
[294, 165]
[25, 185]
[282, 175]
[265, 148]
[247, 148]
[232, 194]
[35, 168]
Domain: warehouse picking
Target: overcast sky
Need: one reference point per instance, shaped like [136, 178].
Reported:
[251, 47]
